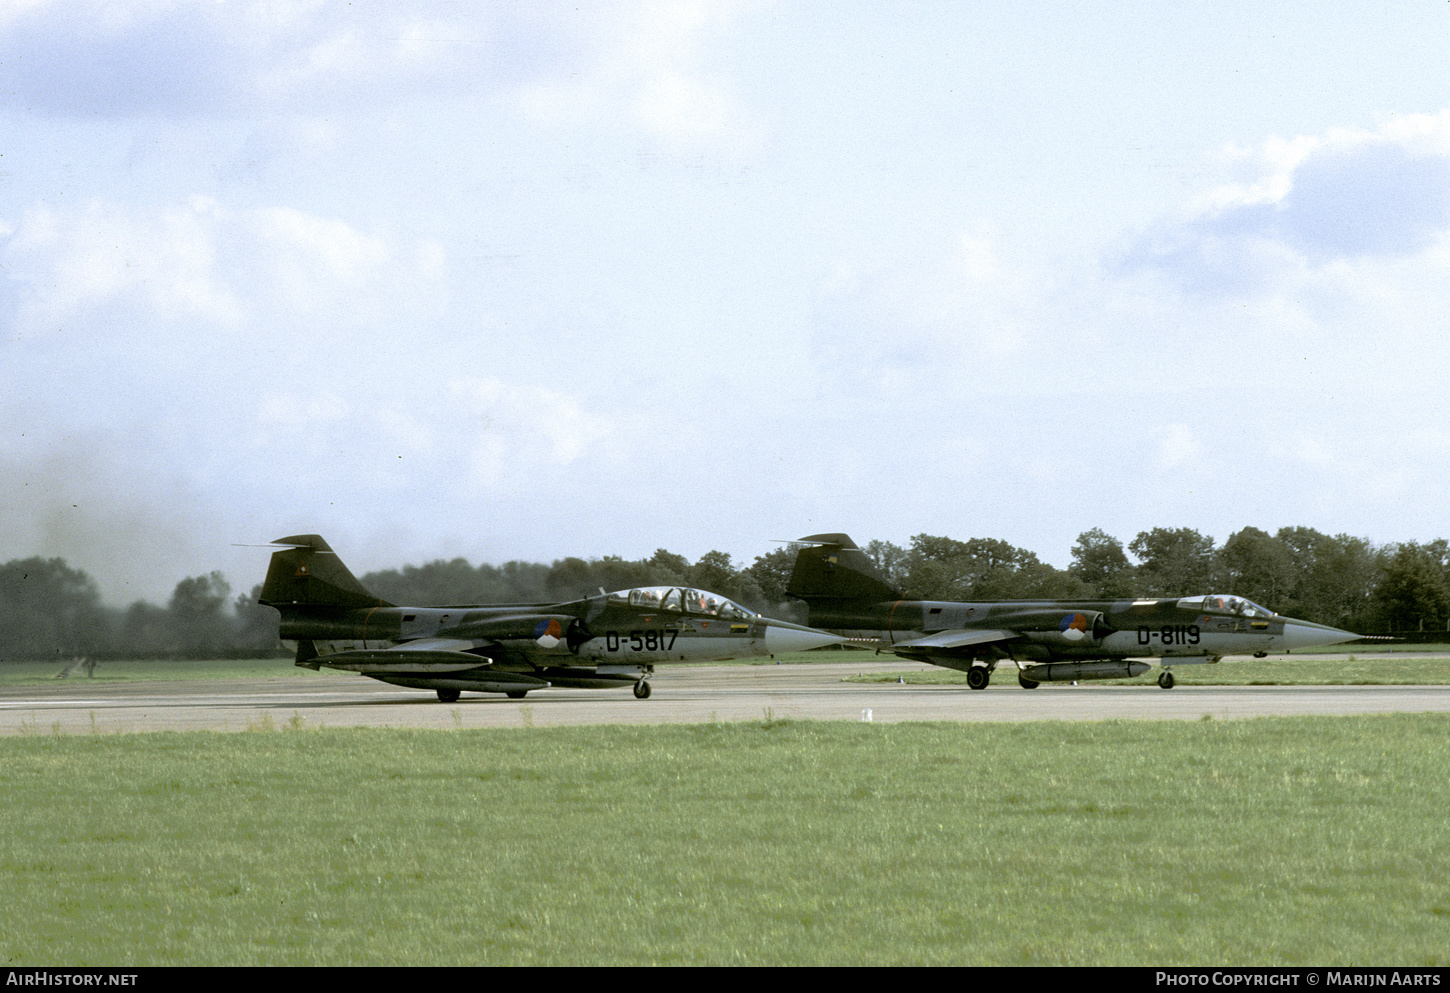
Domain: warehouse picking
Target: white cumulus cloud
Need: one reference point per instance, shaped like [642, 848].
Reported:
[258, 268]
[1312, 201]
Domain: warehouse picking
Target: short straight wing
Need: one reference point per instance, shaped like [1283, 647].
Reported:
[947, 640]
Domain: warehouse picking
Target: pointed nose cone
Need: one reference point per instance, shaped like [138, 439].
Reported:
[783, 636]
[1307, 634]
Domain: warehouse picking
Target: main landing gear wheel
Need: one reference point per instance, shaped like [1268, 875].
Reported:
[977, 677]
[1025, 683]
[516, 694]
[641, 690]
[447, 696]
[1165, 679]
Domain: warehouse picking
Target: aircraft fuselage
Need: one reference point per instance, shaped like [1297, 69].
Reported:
[1048, 630]
[593, 630]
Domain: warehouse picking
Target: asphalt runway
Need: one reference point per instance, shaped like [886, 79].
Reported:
[683, 695]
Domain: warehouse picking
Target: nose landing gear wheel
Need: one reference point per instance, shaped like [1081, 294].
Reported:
[447, 696]
[1165, 679]
[641, 690]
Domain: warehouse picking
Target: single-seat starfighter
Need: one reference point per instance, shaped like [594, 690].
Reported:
[611, 640]
[1048, 640]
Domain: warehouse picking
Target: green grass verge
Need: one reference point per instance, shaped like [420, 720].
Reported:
[1279, 670]
[1299, 841]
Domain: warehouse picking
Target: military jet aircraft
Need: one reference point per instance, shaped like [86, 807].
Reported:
[610, 640]
[1048, 640]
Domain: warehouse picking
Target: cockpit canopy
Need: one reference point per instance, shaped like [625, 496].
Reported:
[682, 600]
[1222, 603]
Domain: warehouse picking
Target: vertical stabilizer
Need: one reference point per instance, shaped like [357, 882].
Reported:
[307, 572]
[831, 567]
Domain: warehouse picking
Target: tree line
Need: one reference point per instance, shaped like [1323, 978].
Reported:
[50, 610]
[1339, 579]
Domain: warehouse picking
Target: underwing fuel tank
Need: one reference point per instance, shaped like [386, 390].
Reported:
[1061, 672]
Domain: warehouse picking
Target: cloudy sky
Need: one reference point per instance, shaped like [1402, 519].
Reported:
[527, 280]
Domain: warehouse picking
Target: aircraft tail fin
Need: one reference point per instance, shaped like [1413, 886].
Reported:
[307, 572]
[831, 567]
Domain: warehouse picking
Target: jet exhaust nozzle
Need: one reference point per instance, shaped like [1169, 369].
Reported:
[1055, 626]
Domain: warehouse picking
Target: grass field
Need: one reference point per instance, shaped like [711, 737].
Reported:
[1270, 841]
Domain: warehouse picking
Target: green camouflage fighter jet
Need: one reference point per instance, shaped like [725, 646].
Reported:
[1049, 640]
[606, 641]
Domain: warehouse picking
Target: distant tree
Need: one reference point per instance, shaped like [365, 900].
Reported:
[890, 559]
[768, 576]
[1335, 578]
[198, 625]
[978, 555]
[569, 579]
[437, 583]
[668, 568]
[520, 582]
[1033, 581]
[574, 578]
[930, 579]
[715, 573]
[1174, 562]
[1099, 561]
[1413, 594]
[256, 624]
[772, 570]
[614, 573]
[1261, 567]
[147, 630]
[48, 609]
[939, 568]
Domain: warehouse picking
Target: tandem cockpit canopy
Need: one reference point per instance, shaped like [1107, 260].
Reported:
[1222, 603]
[683, 600]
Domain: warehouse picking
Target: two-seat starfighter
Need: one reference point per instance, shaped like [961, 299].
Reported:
[610, 640]
[1048, 640]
